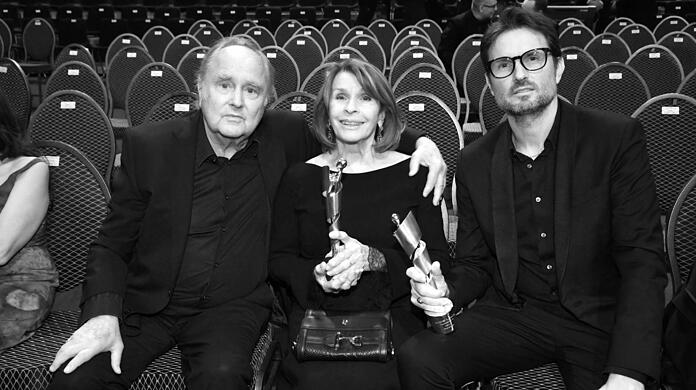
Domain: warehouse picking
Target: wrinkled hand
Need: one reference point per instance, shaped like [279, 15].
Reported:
[428, 155]
[97, 335]
[621, 382]
[432, 300]
[346, 267]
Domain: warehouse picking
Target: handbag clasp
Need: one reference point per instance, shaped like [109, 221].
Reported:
[355, 341]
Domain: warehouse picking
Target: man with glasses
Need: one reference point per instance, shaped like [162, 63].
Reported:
[473, 21]
[559, 243]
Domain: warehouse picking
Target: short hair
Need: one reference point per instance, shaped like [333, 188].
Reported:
[515, 18]
[376, 86]
[13, 138]
[238, 40]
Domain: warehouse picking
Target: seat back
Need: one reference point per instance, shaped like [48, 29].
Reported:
[690, 29]
[15, 86]
[578, 35]
[261, 35]
[123, 67]
[156, 40]
[173, 105]
[39, 40]
[385, 32]
[121, 41]
[427, 113]
[490, 115]
[613, 87]
[412, 41]
[306, 52]
[408, 31]
[287, 74]
[311, 31]
[315, 80]
[431, 28]
[463, 54]
[6, 38]
[431, 79]
[285, 30]
[659, 67]
[683, 46]
[75, 118]
[208, 35]
[578, 65]
[199, 24]
[413, 56]
[242, 26]
[474, 80]
[78, 76]
[636, 36]
[356, 31]
[564, 24]
[688, 85]
[151, 83]
[371, 50]
[681, 234]
[178, 47]
[608, 47]
[671, 140]
[669, 24]
[618, 24]
[79, 200]
[75, 52]
[189, 65]
[343, 52]
[297, 101]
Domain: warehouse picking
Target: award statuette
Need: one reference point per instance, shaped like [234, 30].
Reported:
[333, 202]
[408, 234]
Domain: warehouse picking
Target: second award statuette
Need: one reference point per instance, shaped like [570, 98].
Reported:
[333, 201]
[408, 234]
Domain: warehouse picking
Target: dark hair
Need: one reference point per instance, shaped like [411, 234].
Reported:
[376, 86]
[245, 41]
[515, 18]
[12, 135]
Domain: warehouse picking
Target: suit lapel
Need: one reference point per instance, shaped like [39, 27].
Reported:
[565, 166]
[504, 211]
[181, 185]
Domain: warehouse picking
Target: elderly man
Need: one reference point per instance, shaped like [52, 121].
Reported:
[559, 240]
[182, 256]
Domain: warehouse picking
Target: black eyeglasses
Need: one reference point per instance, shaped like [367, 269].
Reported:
[534, 59]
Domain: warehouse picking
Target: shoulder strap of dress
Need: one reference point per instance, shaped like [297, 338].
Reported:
[13, 175]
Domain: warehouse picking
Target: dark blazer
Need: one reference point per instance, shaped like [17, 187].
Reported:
[138, 253]
[608, 238]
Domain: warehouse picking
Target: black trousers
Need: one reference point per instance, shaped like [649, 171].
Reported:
[216, 344]
[489, 341]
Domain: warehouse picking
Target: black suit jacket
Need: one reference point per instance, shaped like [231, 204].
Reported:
[138, 253]
[608, 240]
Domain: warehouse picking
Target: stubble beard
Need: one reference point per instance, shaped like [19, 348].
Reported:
[532, 106]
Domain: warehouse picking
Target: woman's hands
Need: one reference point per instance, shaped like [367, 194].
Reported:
[345, 268]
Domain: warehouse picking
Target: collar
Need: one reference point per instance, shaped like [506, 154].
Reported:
[204, 151]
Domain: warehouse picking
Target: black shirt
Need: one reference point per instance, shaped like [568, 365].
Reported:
[227, 234]
[534, 197]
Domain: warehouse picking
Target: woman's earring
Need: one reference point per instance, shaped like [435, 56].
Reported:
[330, 133]
[380, 133]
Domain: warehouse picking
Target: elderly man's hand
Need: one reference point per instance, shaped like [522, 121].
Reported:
[428, 155]
[621, 382]
[97, 335]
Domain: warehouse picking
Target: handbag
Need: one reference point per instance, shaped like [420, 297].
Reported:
[346, 336]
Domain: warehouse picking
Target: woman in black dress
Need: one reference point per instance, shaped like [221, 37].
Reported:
[356, 118]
